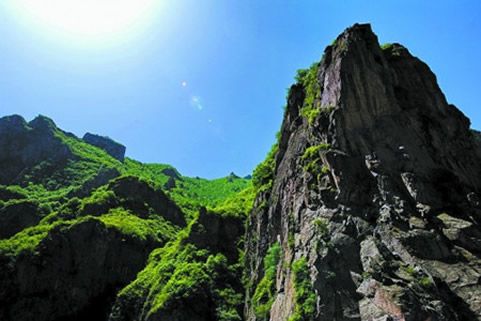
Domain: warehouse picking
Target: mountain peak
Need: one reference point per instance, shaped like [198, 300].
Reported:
[370, 160]
[42, 123]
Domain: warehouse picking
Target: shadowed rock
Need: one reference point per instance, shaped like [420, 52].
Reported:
[114, 149]
[24, 145]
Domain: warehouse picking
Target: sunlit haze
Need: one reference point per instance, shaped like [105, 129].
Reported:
[85, 19]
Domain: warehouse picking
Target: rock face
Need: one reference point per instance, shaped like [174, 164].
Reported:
[15, 216]
[374, 200]
[23, 145]
[142, 198]
[74, 274]
[114, 149]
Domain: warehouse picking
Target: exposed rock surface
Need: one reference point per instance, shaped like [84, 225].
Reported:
[101, 178]
[377, 190]
[24, 145]
[114, 149]
[142, 198]
[73, 275]
[18, 215]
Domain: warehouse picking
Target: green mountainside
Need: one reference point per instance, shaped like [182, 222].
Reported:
[71, 212]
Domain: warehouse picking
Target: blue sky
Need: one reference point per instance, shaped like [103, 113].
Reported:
[202, 84]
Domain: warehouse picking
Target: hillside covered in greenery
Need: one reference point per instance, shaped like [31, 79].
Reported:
[86, 233]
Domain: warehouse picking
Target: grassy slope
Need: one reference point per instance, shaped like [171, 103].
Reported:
[51, 191]
[175, 271]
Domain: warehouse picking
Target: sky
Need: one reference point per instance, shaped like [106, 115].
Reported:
[201, 84]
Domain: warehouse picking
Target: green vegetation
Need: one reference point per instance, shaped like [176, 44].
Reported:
[204, 281]
[410, 270]
[193, 193]
[325, 169]
[312, 161]
[418, 276]
[89, 186]
[305, 297]
[155, 228]
[264, 294]
[264, 172]
[313, 152]
[310, 114]
[51, 192]
[53, 183]
[27, 240]
[393, 49]
[308, 79]
[386, 46]
[322, 226]
[239, 204]
[425, 282]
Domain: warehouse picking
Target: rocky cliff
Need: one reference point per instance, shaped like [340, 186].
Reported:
[369, 205]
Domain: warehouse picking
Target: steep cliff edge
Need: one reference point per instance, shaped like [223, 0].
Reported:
[369, 204]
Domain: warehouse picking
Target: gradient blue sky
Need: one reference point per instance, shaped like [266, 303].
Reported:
[237, 59]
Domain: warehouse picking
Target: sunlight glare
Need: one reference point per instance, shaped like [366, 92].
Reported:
[92, 19]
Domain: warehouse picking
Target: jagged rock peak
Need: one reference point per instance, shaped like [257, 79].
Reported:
[23, 145]
[372, 207]
[15, 123]
[113, 148]
[12, 121]
[42, 123]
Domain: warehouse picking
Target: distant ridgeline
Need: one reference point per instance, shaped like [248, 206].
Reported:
[367, 208]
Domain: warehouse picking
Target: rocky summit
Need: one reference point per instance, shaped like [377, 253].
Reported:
[369, 204]
[367, 208]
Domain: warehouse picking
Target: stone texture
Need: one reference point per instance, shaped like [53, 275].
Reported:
[400, 197]
[114, 149]
[74, 274]
[18, 215]
[24, 145]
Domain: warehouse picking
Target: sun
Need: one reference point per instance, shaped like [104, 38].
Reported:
[90, 19]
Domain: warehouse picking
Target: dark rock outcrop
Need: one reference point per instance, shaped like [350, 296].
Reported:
[217, 233]
[135, 194]
[24, 145]
[18, 215]
[172, 173]
[114, 149]
[101, 178]
[376, 187]
[74, 273]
